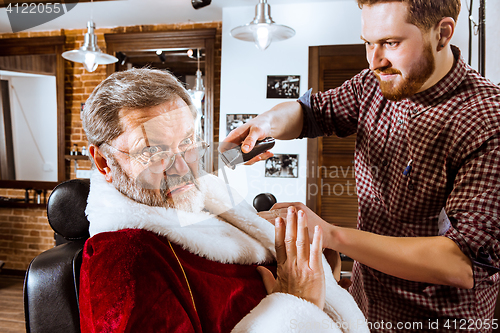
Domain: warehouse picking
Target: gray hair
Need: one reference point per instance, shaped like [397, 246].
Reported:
[128, 90]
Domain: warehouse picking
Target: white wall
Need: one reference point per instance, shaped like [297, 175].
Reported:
[244, 73]
[492, 37]
[34, 124]
[493, 40]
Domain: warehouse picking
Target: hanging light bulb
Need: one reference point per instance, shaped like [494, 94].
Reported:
[262, 30]
[89, 54]
[89, 62]
[262, 37]
[199, 90]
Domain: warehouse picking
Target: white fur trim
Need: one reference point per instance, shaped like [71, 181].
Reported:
[340, 305]
[245, 239]
[280, 313]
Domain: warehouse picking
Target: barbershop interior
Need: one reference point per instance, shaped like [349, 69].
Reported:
[236, 59]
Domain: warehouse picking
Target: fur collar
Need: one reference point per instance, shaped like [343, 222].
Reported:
[230, 232]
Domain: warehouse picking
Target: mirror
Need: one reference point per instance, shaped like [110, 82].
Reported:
[31, 112]
[169, 51]
[29, 140]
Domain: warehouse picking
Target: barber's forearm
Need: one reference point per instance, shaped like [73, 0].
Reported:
[286, 120]
[436, 260]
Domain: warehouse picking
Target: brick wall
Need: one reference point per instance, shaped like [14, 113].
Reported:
[24, 233]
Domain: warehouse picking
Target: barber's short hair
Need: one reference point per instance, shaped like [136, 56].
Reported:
[425, 14]
[128, 90]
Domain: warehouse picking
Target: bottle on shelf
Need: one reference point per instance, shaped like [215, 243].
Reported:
[74, 151]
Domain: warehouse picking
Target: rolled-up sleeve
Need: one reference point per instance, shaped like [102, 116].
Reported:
[310, 128]
[473, 209]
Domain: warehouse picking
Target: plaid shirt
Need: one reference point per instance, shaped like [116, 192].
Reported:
[451, 133]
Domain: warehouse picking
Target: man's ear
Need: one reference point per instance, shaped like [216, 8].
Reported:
[101, 162]
[445, 30]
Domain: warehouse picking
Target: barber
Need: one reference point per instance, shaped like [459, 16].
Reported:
[427, 244]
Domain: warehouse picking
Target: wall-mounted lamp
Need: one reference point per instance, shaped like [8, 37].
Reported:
[161, 55]
[89, 54]
[122, 57]
[262, 30]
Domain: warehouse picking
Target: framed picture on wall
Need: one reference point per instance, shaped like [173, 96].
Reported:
[283, 166]
[236, 120]
[283, 86]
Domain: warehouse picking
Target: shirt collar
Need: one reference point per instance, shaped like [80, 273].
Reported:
[448, 83]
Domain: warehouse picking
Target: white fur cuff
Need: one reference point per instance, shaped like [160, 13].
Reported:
[282, 313]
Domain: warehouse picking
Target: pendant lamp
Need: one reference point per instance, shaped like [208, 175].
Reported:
[262, 30]
[90, 55]
[198, 92]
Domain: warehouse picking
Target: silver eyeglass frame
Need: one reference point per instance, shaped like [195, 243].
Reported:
[170, 158]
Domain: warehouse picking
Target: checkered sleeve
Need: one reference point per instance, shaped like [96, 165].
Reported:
[310, 128]
[334, 111]
[473, 207]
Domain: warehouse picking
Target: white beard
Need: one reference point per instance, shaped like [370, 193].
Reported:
[157, 196]
[192, 201]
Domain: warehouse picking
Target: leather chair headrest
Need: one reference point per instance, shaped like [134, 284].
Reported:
[264, 201]
[66, 209]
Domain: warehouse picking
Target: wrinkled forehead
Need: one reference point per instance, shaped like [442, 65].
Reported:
[163, 123]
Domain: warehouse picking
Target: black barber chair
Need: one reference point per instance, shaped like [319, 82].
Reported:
[52, 278]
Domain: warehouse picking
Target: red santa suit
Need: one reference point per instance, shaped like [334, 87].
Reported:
[152, 269]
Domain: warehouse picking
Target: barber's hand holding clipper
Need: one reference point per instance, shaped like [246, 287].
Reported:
[283, 122]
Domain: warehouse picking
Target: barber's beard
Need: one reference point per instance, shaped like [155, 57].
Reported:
[412, 82]
[189, 201]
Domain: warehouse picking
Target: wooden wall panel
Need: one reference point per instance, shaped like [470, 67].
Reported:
[334, 179]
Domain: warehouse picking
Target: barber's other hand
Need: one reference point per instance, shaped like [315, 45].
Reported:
[300, 268]
[281, 210]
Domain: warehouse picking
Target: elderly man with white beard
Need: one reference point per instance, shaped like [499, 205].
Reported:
[171, 249]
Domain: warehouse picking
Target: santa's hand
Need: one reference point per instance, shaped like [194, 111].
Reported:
[300, 268]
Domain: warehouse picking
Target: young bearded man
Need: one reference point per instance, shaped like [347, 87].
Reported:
[170, 250]
[428, 241]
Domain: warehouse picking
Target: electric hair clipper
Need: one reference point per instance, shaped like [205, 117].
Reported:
[235, 156]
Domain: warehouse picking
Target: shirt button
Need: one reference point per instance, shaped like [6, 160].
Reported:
[411, 186]
[377, 199]
[385, 162]
[400, 121]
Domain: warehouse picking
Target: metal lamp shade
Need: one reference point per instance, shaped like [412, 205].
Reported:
[262, 30]
[90, 55]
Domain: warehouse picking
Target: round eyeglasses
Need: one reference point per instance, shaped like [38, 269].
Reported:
[158, 160]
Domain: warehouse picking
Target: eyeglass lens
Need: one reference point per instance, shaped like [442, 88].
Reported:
[164, 160]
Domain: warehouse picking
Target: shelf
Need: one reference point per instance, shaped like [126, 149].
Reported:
[9, 204]
[76, 157]
[28, 184]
